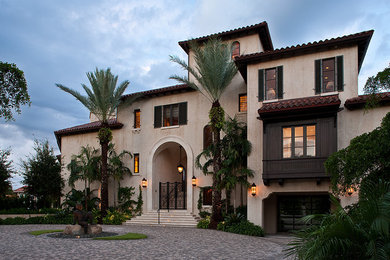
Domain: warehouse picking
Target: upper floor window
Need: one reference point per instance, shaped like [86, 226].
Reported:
[242, 99]
[136, 163]
[271, 83]
[170, 115]
[137, 118]
[235, 49]
[329, 75]
[299, 141]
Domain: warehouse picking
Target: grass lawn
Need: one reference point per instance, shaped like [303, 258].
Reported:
[40, 232]
[128, 236]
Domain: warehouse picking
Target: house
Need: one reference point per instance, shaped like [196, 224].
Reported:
[20, 192]
[300, 104]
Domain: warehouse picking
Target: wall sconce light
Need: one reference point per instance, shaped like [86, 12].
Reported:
[253, 189]
[350, 190]
[180, 167]
[193, 181]
[144, 183]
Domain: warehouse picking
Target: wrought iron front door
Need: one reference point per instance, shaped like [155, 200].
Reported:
[172, 195]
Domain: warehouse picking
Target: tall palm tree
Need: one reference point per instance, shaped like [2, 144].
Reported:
[84, 166]
[213, 72]
[102, 100]
[116, 166]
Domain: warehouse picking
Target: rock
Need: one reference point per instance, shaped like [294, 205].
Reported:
[73, 230]
[94, 229]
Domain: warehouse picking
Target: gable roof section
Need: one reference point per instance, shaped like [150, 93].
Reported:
[360, 101]
[161, 91]
[361, 39]
[85, 128]
[261, 29]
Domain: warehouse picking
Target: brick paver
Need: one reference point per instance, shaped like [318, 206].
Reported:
[162, 243]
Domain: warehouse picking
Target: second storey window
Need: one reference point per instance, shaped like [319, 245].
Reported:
[299, 141]
[235, 49]
[271, 83]
[137, 118]
[329, 75]
[170, 115]
[242, 103]
[136, 163]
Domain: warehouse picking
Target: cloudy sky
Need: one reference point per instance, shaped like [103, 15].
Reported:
[59, 41]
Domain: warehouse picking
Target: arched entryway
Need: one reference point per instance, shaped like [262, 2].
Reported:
[169, 188]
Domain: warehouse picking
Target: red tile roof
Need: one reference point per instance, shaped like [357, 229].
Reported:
[299, 104]
[161, 91]
[21, 189]
[360, 101]
[260, 28]
[361, 39]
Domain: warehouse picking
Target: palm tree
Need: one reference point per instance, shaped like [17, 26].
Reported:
[213, 72]
[102, 100]
[84, 166]
[116, 166]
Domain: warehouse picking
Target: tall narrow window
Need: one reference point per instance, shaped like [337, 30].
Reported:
[299, 141]
[207, 196]
[328, 75]
[270, 83]
[207, 136]
[235, 49]
[242, 103]
[136, 163]
[137, 118]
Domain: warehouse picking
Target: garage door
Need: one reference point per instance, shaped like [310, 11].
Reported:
[292, 208]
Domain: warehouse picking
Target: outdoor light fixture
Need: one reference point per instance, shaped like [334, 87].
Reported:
[350, 190]
[144, 183]
[193, 181]
[253, 189]
[180, 167]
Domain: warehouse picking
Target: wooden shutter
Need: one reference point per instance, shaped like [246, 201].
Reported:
[261, 85]
[183, 113]
[340, 73]
[157, 116]
[317, 68]
[280, 81]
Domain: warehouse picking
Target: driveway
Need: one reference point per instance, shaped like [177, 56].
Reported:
[162, 243]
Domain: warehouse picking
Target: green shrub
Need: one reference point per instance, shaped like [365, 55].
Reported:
[203, 223]
[115, 217]
[245, 228]
[204, 214]
[221, 226]
[60, 218]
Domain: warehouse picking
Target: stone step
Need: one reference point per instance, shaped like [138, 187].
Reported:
[178, 218]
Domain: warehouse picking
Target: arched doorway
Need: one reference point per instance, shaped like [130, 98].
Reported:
[169, 186]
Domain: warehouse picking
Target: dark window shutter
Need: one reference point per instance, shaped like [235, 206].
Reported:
[340, 73]
[157, 116]
[317, 65]
[280, 82]
[261, 85]
[183, 113]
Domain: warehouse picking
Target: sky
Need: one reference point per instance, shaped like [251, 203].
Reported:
[55, 41]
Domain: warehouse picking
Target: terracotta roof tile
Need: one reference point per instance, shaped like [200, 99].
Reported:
[161, 91]
[360, 101]
[299, 104]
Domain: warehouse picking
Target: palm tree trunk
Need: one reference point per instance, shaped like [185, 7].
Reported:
[85, 194]
[104, 178]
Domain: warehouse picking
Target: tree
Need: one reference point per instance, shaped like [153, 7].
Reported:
[84, 166]
[235, 149]
[116, 166]
[376, 84]
[42, 175]
[13, 90]
[102, 100]
[213, 73]
[5, 172]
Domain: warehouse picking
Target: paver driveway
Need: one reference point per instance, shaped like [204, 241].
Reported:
[162, 243]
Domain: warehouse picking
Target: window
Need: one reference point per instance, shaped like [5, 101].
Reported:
[207, 196]
[170, 115]
[137, 118]
[235, 49]
[271, 83]
[207, 136]
[136, 163]
[329, 75]
[242, 103]
[299, 141]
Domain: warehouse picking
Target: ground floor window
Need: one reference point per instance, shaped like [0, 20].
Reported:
[292, 208]
[207, 196]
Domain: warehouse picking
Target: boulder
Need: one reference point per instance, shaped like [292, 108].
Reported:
[94, 229]
[74, 230]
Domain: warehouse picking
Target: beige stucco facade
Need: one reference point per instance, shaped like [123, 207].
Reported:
[158, 148]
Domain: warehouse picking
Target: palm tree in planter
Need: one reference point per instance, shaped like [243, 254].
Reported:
[102, 100]
[213, 72]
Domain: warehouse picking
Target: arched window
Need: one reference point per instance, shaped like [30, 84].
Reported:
[235, 49]
[207, 136]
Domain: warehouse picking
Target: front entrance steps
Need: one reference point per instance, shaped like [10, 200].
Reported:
[174, 218]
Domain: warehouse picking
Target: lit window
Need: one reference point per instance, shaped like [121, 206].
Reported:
[207, 196]
[328, 75]
[235, 49]
[171, 115]
[299, 141]
[137, 118]
[242, 106]
[136, 163]
[270, 84]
